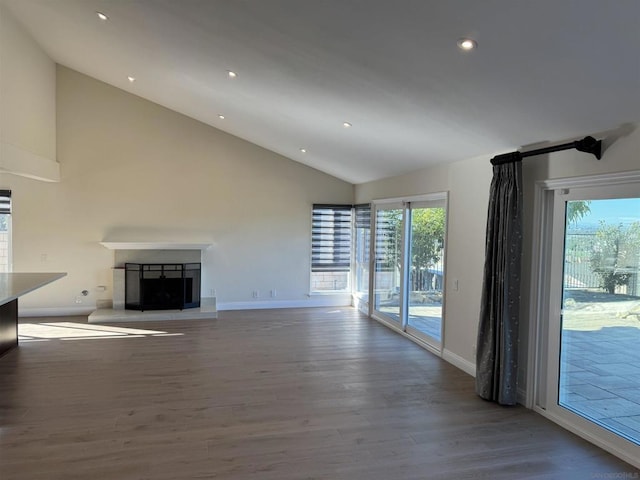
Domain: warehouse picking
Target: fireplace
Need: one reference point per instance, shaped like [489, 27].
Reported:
[155, 252]
[162, 286]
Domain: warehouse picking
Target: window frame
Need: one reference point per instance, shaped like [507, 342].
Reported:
[6, 209]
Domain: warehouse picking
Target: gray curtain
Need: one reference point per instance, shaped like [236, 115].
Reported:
[497, 347]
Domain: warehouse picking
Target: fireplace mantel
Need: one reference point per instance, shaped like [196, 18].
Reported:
[155, 246]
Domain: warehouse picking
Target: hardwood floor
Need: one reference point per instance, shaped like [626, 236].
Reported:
[276, 394]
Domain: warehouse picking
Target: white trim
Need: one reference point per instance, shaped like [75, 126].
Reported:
[606, 179]
[155, 246]
[109, 315]
[605, 445]
[541, 374]
[457, 361]
[315, 301]
[538, 304]
[420, 335]
[55, 311]
[326, 301]
[360, 304]
[447, 355]
[427, 197]
[396, 328]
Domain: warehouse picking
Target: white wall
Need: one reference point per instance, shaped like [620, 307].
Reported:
[27, 104]
[135, 171]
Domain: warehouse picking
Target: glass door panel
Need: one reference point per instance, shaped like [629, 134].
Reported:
[589, 361]
[599, 370]
[426, 270]
[389, 223]
[362, 247]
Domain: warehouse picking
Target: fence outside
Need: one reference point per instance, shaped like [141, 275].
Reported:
[578, 271]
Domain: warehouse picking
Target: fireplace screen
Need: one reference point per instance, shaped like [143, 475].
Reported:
[162, 286]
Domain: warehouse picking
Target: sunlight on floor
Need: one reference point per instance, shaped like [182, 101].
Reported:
[38, 332]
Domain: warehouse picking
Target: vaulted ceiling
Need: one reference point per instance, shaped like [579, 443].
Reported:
[543, 71]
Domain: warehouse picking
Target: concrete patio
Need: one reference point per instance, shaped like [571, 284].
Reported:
[600, 360]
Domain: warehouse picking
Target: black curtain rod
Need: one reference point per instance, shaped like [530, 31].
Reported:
[587, 145]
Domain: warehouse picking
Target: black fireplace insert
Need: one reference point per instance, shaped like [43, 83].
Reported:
[162, 286]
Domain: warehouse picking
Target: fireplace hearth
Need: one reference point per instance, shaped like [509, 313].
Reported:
[162, 286]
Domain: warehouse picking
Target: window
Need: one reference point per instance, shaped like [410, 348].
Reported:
[585, 332]
[5, 230]
[408, 281]
[331, 248]
[362, 246]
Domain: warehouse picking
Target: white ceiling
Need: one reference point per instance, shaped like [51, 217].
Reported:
[544, 71]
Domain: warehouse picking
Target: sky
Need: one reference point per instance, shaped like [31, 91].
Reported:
[613, 211]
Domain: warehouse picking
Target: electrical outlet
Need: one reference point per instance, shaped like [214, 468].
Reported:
[256, 294]
[78, 299]
[274, 293]
[212, 292]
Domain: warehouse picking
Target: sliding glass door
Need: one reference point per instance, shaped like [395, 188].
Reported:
[388, 268]
[409, 265]
[426, 270]
[592, 382]
[362, 256]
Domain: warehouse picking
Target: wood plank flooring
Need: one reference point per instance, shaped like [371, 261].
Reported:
[277, 394]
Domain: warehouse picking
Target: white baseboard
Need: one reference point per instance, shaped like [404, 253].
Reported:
[313, 301]
[359, 304]
[600, 441]
[470, 368]
[457, 361]
[55, 311]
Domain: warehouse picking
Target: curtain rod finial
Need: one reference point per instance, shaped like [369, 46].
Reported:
[589, 145]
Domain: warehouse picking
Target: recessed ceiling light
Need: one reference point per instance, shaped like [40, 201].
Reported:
[303, 150]
[221, 117]
[102, 16]
[131, 79]
[232, 74]
[467, 44]
[346, 125]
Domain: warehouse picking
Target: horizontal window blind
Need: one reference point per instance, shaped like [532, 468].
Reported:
[331, 238]
[5, 201]
[363, 216]
[388, 234]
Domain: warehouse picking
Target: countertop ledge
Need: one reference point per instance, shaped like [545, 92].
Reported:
[14, 285]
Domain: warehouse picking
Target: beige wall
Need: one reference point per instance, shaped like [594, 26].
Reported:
[27, 104]
[132, 170]
[468, 184]
[434, 179]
